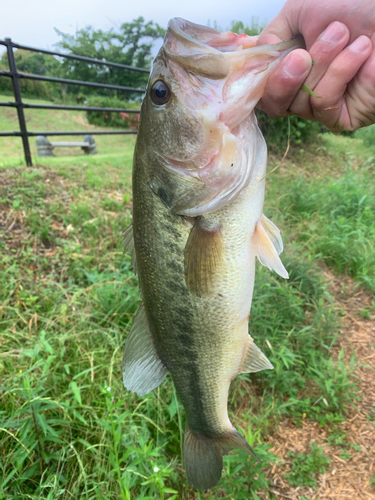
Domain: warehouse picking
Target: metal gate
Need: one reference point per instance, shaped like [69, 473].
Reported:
[20, 105]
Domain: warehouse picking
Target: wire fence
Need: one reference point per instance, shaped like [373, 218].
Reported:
[20, 105]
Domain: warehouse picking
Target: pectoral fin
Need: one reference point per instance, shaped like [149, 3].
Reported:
[268, 246]
[254, 360]
[274, 233]
[142, 368]
[129, 246]
[203, 257]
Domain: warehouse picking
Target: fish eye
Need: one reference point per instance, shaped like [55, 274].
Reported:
[160, 93]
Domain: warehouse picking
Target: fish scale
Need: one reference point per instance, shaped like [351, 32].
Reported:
[197, 230]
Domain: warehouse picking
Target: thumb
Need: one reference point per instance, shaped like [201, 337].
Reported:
[276, 31]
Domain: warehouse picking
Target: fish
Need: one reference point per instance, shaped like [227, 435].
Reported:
[197, 230]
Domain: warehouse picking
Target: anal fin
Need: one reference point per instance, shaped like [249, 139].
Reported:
[254, 360]
[142, 369]
[203, 257]
[268, 246]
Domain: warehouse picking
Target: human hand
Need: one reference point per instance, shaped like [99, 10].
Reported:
[340, 39]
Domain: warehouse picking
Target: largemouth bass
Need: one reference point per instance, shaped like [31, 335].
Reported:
[198, 191]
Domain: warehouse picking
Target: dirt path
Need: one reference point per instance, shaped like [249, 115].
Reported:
[347, 478]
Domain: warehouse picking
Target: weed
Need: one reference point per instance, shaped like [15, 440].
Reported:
[345, 455]
[365, 313]
[337, 437]
[305, 466]
[371, 415]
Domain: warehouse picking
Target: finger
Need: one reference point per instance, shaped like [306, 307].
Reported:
[269, 39]
[344, 107]
[276, 31]
[285, 82]
[360, 95]
[326, 48]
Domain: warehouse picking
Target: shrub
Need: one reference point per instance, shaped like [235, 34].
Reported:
[112, 119]
[367, 135]
[29, 88]
[275, 130]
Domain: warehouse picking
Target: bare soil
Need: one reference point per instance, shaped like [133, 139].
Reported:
[347, 477]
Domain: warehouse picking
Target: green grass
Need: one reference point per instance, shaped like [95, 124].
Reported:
[337, 220]
[295, 323]
[355, 147]
[67, 301]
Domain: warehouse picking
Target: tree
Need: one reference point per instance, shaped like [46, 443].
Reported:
[130, 45]
[239, 27]
[31, 62]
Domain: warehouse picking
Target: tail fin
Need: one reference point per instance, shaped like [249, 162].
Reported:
[203, 456]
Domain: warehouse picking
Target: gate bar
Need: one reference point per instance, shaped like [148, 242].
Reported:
[18, 99]
[11, 104]
[78, 58]
[73, 132]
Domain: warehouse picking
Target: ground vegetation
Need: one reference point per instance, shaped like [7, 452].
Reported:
[68, 297]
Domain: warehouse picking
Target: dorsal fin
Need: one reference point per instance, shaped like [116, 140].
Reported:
[142, 368]
[268, 246]
[129, 246]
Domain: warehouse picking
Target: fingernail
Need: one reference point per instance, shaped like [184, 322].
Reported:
[296, 66]
[334, 33]
[360, 45]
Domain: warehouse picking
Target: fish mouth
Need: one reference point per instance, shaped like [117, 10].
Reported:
[212, 53]
[231, 70]
[219, 78]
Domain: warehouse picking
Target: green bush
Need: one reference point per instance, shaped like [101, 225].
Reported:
[275, 131]
[111, 119]
[29, 88]
[367, 135]
[30, 62]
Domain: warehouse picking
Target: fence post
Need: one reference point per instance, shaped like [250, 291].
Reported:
[18, 99]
